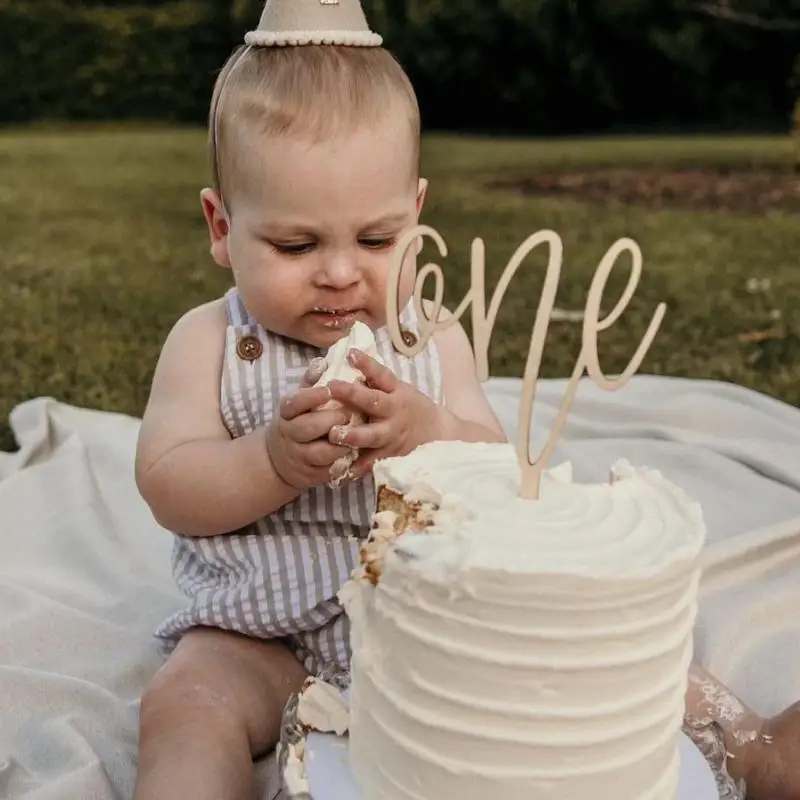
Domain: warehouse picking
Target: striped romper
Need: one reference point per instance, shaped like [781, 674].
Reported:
[279, 577]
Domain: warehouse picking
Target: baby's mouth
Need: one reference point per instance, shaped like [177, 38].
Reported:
[335, 317]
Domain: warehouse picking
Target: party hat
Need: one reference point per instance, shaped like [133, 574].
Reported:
[287, 23]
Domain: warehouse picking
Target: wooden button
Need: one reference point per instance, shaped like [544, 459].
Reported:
[249, 348]
[409, 338]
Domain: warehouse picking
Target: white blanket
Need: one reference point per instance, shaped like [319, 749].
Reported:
[84, 571]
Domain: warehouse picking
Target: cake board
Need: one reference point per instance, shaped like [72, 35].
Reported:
[704, 774]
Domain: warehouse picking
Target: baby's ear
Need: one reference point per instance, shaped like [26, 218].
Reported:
[218, 227]
[421, 193]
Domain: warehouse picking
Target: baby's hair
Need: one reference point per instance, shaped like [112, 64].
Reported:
[314, 92]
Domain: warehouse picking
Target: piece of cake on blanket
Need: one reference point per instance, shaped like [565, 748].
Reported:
[515, 649]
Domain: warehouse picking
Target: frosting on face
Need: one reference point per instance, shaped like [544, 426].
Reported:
[524, 649]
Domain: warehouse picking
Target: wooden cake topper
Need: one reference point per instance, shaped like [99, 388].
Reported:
[483, 324]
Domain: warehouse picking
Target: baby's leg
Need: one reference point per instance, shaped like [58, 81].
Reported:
[209, 711]
[765, 753]
[707, 700]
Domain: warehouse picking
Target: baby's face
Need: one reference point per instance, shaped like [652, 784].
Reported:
[314, 228]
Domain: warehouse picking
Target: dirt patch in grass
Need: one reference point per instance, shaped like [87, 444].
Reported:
[707, 189]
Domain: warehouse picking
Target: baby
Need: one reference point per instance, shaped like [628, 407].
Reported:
[317, 175]
[315, 147]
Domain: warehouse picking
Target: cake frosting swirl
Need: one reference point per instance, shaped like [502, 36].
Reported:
[529, 650]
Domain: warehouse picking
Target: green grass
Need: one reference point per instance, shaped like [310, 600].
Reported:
[104, 246]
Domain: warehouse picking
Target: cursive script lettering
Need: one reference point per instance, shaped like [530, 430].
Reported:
[588, 360]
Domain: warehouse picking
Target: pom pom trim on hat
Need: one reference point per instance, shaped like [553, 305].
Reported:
[295, 38]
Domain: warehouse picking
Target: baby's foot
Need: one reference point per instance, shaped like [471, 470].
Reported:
[771, 766]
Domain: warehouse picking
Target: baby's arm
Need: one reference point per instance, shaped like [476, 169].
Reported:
[467, 415]
[195, 478]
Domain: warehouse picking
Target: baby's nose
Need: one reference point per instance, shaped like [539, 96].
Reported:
[341, 271]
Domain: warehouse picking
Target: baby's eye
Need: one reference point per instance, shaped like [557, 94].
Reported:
[294, 249]
[378, 242]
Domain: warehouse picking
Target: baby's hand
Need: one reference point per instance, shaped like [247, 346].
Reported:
[399, 418]
[297, 440]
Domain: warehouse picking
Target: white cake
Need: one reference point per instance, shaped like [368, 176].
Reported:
[521, 649]
[337, 367]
